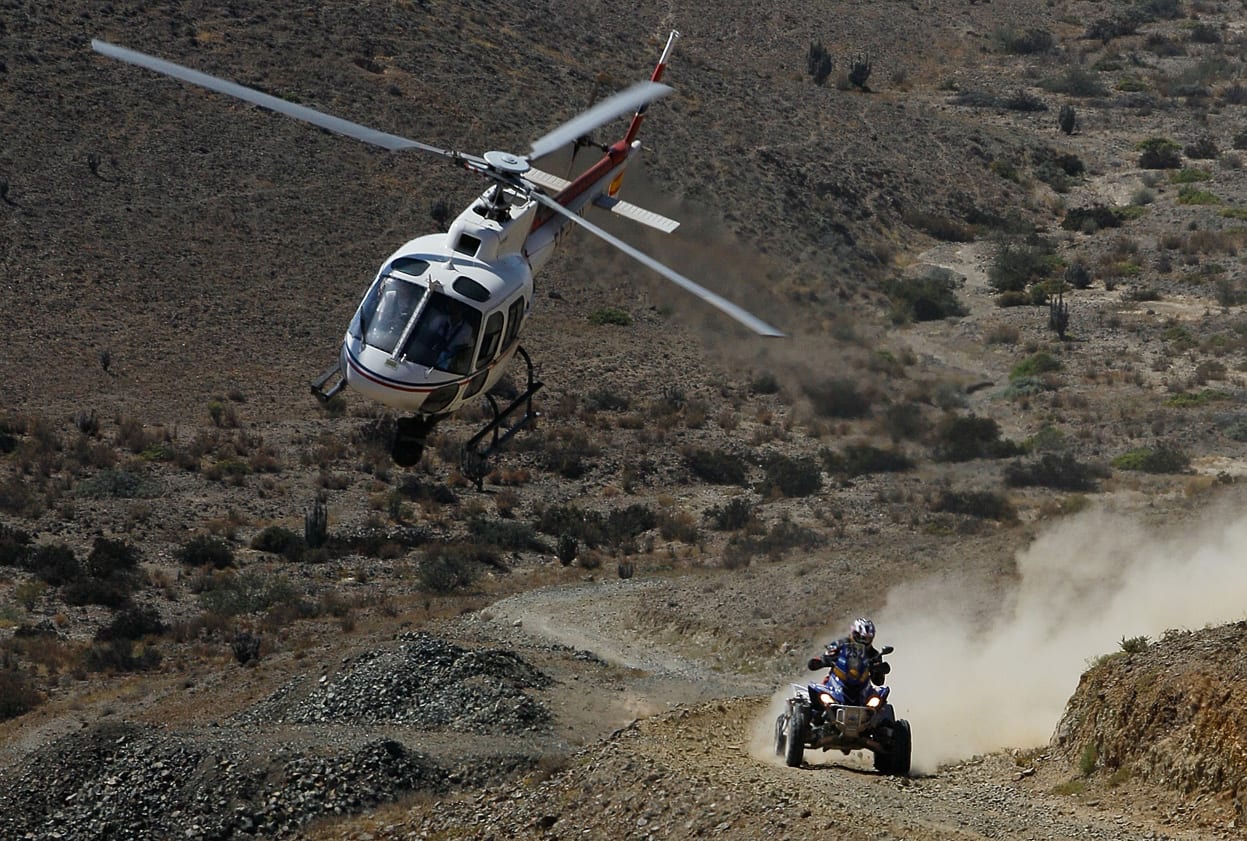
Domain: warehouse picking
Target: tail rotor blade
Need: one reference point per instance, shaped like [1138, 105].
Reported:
[740, 314]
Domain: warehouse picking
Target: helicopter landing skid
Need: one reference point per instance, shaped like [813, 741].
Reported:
[476, 453]
[324, 395]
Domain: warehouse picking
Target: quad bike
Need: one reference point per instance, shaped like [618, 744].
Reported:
[838, 715]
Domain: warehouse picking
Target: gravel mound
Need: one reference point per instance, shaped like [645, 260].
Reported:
[240, 780]
[423, 682]
[127, 781]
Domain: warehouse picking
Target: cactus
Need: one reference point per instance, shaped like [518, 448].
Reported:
[859, 71]
[316, 525]
[818, 62]
[1058, 314]
[1067, 119]
[626, 569]
[567, 548]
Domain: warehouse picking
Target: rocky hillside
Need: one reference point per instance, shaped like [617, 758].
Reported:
[1167, 711]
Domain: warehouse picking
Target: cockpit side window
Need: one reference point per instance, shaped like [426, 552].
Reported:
[386, 311]
[445, 336]
[515, 314]
[489, 345]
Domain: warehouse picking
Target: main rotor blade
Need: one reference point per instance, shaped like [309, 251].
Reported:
[742, 315]
[608, 109]
[264, 100]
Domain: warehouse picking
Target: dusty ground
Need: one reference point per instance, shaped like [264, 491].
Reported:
[215, 252]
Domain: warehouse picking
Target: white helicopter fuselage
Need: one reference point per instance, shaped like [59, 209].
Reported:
[485, 263]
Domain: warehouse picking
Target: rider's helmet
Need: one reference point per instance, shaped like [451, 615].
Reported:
[863, 631]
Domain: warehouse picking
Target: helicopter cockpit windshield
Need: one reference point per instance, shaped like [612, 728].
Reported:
[443, 335]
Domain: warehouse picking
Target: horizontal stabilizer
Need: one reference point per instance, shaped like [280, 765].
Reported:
[637, 214]
[623, 208]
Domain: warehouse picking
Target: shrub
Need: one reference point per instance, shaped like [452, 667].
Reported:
[610, 315]
[1089, 220]
[716, 466]
[1034, 365]
[117, 655]
[1075, 81]
[837, 398]
[570, 456]
[238, 594]
[984, 504]
[737, 513]
[1134, 645]
[505, 534]
[1060, 471]
[17, 695]
[863, 459]
[445, 569]
[791, 477]
[132, 624]
[206, 551]
[929, 297]
[1159, 153]
[53, 564]
[959, 438]
[117, 484]
[1017, 263]
[14, 546]
[115, 591]
[904, 421]
[607, 400]
[279, 541]
[110, 557]
[1153, 460]
[781, 537]
[1024, 42]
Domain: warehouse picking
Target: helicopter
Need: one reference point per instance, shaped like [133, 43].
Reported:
[441, 320]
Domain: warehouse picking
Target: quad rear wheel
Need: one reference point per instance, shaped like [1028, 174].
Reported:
[781, 735]
[798, 720]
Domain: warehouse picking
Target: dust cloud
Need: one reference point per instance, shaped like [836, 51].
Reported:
[973, 678]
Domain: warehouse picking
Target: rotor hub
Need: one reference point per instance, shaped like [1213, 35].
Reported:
[507, 163]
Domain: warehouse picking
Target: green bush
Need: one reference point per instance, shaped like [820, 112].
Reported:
[1089, 220]
[929, 297]
[1153, 460]
[506, 535]
[837, 398]
[718, 467]
[1159, 153]
[18, 695]
[117, 484]
[791, 477]
[1035, 365]
[242, 593]
[1024, 41]
[959, 438]
[206, 551]
[1060, 471]
[1018, 263]
[737, 513]
[110, 557]
[14, 546]
[984, 504]
[445, 569]
[280, 541]
[610, 315]
[133, 624]
[53, 564]
[863, 459]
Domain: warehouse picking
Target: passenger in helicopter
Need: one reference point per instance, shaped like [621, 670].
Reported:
[455, 339]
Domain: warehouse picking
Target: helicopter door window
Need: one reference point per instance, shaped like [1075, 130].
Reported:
[515, 314]
[445, 336]
[385, 314]
[489, 346]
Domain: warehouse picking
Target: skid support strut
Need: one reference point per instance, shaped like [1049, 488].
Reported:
[476, 453]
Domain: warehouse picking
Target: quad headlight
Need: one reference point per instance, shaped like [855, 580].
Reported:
[825, 699]
[874, 702]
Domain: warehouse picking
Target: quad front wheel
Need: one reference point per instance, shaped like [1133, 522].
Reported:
[798, 720]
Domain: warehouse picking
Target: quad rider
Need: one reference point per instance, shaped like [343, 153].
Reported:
[853, 660]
